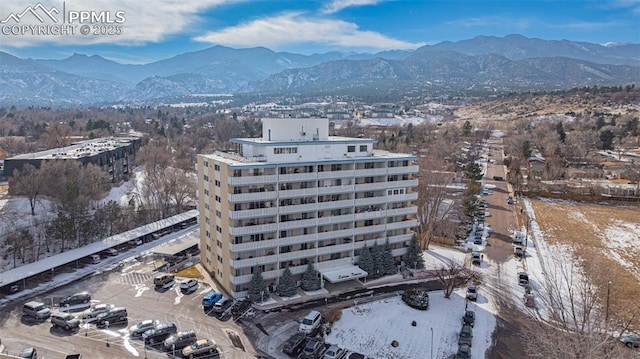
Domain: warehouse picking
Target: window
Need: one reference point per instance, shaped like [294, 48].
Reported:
[218, 214]
[219, 259]
[208, 248]
[206, 178]
[285, 150]
[206, 163]
[218, 229]
[216, 167]
[218, 199]
[351, 148]
[206, 192]
[216, 182]
[218, 243]
[363, 148]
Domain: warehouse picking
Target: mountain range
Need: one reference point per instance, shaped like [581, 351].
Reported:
[509, 63]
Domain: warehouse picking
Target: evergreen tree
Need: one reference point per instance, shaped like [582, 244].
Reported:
[388, 263]
[412, 258]
[376, 255]
[258, 289]
[366, 261]
[286, 285]
[310, 279]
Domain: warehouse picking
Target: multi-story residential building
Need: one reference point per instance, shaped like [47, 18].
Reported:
[114, 155]
[297, 196]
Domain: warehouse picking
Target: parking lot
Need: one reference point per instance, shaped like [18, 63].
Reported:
[130, 286]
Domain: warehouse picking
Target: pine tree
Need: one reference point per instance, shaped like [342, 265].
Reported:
[258, 289]
[413, 257]
[388, 263]
[366, 261]
[376, 255]
[310, 279]
[286, 285]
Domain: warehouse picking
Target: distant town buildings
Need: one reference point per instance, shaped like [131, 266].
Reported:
[114, 155]
[297, 196]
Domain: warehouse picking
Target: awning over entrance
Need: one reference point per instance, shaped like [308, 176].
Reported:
[343, 273]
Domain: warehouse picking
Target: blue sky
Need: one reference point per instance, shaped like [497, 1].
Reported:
[157, 29]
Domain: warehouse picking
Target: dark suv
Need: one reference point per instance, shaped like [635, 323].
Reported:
[312, 349]
[180, 340]
[65, 320]
[294, 344]
[159, 333]
[113, 316]
[74, 299]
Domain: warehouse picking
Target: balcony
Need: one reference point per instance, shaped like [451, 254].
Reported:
[370, 172]
[371, 201]
[327, 190]
[303, 238]
[253, 213]
[253, 229]
[336, 248]
[335, 234]
[403, 197]
[369, 229]
[402, 211]
[335, 219]
[370, 215]
[400, 238]
[345, 203]
[334, 174]
[410, 223]
[252, 197]
[402, 170]
[297, 177]
[297, 208]
[302, 192]
[291, 256]
[373, 186]
[248, 246]
[301, 223]
[403, 183]
[248, 180]
[252, 262]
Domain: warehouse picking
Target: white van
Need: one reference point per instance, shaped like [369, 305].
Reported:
[519, 237]
[94, 258]
[310, 322]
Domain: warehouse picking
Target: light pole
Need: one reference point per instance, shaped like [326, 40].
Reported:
[431, 342]
[606, 313]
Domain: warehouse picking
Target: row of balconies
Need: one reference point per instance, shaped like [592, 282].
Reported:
[298, 177]
[318, 251]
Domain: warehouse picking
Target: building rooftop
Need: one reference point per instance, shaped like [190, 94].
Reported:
[80, 149]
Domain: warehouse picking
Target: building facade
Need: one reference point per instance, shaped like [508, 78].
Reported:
[114, 155]
[296, 196]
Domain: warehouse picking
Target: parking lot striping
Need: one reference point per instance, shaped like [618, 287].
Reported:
[179, 296]
[204, 291]
[133, 278]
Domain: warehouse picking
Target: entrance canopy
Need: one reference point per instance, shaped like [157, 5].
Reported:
[343, 273]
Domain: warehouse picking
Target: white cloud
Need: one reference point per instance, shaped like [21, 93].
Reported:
[146, 21]
[293, 29]
[337, 5]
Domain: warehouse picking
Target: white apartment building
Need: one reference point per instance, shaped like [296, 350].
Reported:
[296, 196]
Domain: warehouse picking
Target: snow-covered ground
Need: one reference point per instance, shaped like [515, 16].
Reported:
[370, 328]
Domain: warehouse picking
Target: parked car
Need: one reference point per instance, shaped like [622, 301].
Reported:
[469, 318]
[110, 252]
[466, 335]
[477, 240]
[200, 347]
[135, 242]
[163, 280]
[312, 349]
[138, 329]
[158, 334]
[310, 323]
[75, 299]
[29, 353]
[464, 352]
[211, 298]
[36, 310]
[518, 251]
[222, 305]
[189, 285]
[476, 258]
[240, 307]
[523, 279]
[334, 352]
[631, 340]
[472, 293]
[96, 310]
[113, 316]
[295, 344]
[65, 320]
[180, 340]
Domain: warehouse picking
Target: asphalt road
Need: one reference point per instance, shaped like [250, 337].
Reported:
[130, 286]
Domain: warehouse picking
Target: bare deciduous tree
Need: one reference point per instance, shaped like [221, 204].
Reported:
[432, 207]
[28, 182]
[453, 274]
